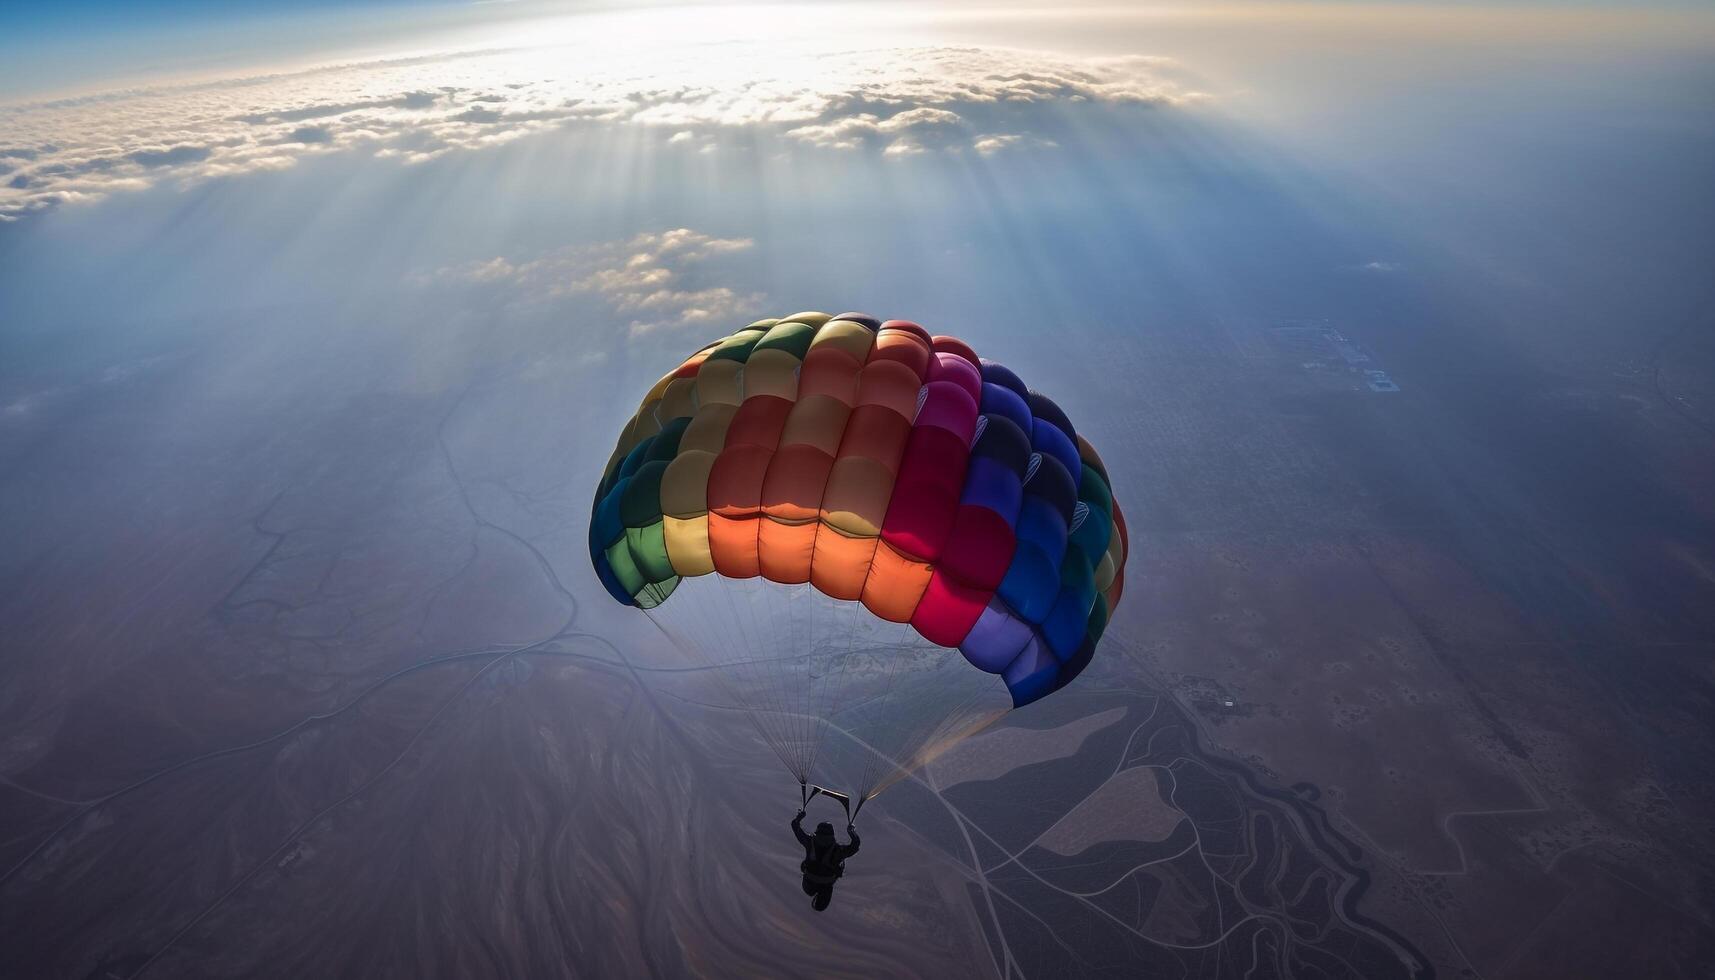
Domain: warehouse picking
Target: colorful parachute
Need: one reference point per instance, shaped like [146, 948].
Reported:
[877, 464]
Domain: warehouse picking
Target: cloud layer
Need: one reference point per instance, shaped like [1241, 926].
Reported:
[645, 278]
[898, 102]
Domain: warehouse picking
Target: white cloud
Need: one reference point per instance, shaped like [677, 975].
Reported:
[853, 131]
[897, 101]
[993, 143]
[642, 278]
[1377, 266]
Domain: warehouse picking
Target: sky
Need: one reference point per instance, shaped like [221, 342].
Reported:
[1466, 132]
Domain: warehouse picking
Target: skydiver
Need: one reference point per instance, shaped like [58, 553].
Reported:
[824, 859]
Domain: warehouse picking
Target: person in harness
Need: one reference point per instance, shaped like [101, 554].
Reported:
[824, 859]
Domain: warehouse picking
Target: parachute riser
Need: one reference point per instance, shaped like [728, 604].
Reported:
[810, 792]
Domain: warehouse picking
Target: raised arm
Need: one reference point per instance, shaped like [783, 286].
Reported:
[798, 829]
[852, 848]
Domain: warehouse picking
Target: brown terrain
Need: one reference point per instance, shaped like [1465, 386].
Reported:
[342, 698]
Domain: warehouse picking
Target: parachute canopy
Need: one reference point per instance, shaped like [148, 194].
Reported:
[879, 464]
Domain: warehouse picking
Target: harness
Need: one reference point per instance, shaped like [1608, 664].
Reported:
[818, 868]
